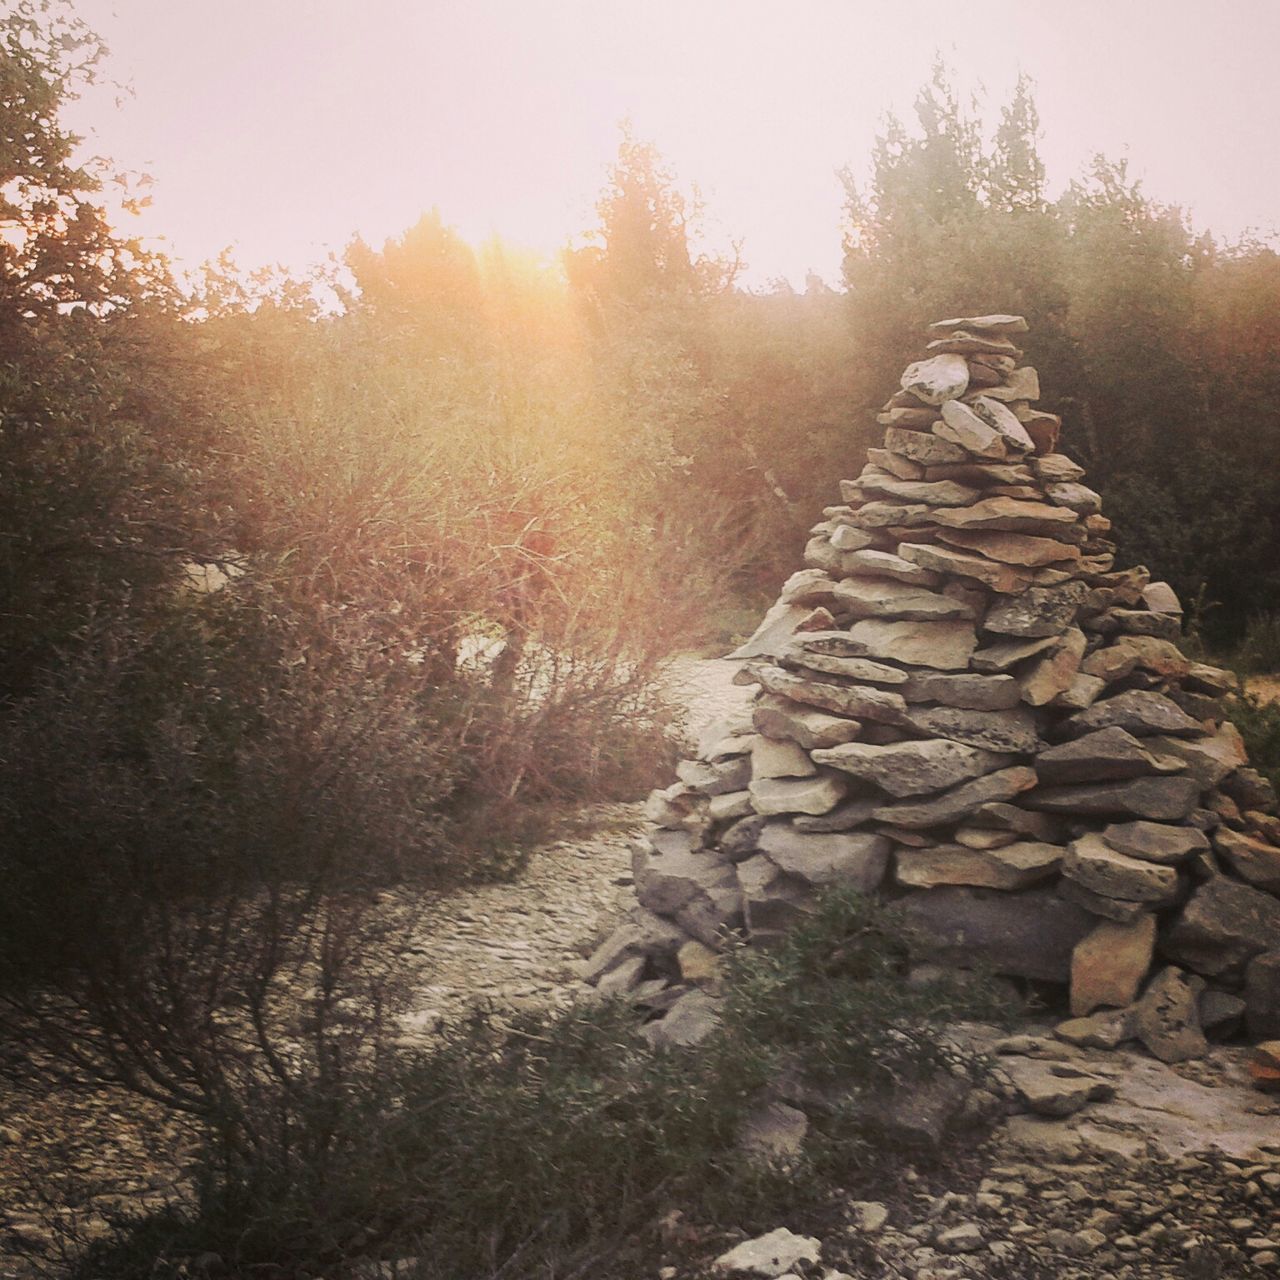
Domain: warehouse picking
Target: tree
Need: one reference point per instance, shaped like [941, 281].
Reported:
[645, 253]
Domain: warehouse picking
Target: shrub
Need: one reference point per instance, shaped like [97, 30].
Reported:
[540, 1145]
[1259, 649]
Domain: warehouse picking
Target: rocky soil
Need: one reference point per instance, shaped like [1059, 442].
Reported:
[1122, 1188]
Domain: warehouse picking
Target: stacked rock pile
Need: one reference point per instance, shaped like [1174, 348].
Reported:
[962, 703]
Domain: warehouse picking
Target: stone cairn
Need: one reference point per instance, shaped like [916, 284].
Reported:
[963, 705]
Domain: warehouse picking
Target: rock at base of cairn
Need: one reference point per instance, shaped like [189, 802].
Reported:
[963, 704]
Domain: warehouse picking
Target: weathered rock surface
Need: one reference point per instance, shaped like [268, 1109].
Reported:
[1222, 927]
[1030, 934]
[913, 767]
[1109, 966]
[858, 859]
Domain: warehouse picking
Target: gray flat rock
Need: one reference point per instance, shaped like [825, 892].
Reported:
[960, 801]
[1102, 756]
[1141, 712]
[856, 859]
[915, 767]
[1165, 799]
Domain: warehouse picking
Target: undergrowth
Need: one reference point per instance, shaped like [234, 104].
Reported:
[550, 1144]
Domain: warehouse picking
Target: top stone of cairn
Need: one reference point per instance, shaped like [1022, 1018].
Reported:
[985, 324]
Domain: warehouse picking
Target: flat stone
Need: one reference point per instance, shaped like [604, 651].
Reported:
[999, 816]
[984, 837]
[1160, 657]
[999, 577]
[854, 701]
[820, 555]
[938, 493]
[985, 324]
[878, 598]
[882, 514]
[863, 670]
[779, 624]
[1160, 597]
[922, 446]
[1106, 1030]
[858, 859]
[1141, 712]
[796, 795]
[942, 645]
[1052, 674]
[1095, 864]
[962, 426]
[694, 1017]
[1211, 680]
[1254, 860]
[1037, 612]
[773, 901]
[1081, 693]
[769, 1255]
[1143, 622]
[848, 539]
[1056, 468]
[1011, 730]
[1223, 926]
[1022, 384]
[960, 801]
[885, 564]
[1207, 759]
[1101, 756]
[1014, 866]
[966, 1238]
[1078, 497]
[1010, 515]
[1011, 548]
[965, 689]
[699, 891]
[782, 718]
[1156, 841]
[1056, 1089]
[998, 416]
[779, 758]
[1121, 910]
[1030, 934]
[1167, 1018]
[913, 767]
[739, 841]
[1110, 664]
[844, 817]
[968, 342]
[912, 417]
[714, 779]
[937, 380]
[1109, 966]
[899, 466]
[1165, 799]
[729, 805]
[1004, 654]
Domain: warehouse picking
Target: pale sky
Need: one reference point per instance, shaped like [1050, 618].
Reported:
[283, 127]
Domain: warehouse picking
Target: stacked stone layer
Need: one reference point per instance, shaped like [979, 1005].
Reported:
[962, 703]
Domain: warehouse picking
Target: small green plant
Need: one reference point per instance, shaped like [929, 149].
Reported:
[1259, 723]
[1259, 650]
